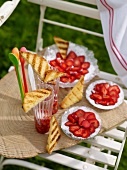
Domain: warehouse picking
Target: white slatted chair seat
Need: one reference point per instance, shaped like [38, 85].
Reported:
[102, 151]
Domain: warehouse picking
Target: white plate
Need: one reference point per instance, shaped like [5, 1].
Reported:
[50, 54]
[90, 89]
[65, 119]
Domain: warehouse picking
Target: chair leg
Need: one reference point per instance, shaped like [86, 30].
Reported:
[39, 42]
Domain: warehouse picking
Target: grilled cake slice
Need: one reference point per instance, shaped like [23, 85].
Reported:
[52, 75]
[54, 134]
[62, 46]
[31, 99]
[39, 64]
[74, 95]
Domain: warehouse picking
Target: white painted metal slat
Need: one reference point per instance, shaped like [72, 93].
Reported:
[23, 164]
[102, 142]
[72, 27]
[70, 162]
[93, 2]
[69, 7]
[123, 126]
[93, 154]
[115, 134]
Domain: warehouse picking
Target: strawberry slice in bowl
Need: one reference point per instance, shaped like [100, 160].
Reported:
[80, 123]
[104, 94]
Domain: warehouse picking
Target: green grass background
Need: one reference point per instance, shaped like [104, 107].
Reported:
[21, 30]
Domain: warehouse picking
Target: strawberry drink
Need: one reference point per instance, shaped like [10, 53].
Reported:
[55, 86]
[43, 111]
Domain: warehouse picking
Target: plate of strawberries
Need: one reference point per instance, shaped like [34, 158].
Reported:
[105, 94]
[80, 123]
[79, 61]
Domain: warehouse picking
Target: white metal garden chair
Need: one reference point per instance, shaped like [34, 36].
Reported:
[113, 141]
[6, 10]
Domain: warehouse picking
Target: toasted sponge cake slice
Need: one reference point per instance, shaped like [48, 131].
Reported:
[31, 99]
[39, 64]
[74, 95]
[52, 75]
[54, 134]
[62, 46]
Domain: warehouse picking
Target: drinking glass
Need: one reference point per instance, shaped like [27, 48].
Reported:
[43, 111]
[55, 85]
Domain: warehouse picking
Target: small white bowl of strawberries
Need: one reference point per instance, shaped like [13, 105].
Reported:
[105, 94]
[80, 123]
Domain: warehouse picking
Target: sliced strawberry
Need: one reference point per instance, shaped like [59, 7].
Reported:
[91, 129]
[75, 68]
[87, 114]
[68, 123]
[80, 120]
[95, 96]
[83, 72]
[103, 90]
[107, 85]
[81, 58]
[113, 93]
[91, 116]
[85, 124]
[69, 63]
[86, 133]
[114, 87]
[64, 66]
[106, 97]
[77, 75]
[68, 69]
[71, 119]
[58, 55]
[64, 79]
[79, 132]
[74, 128]
[59, 68]
[53, 63]
[102, 102]
[59, 61]
[115, 99]
[74, 115]
[85, 65]
[72, 79]
[94, 122]
[71, 55]
[111, 102]
[97, 88]
[77, 62]
[80, 112]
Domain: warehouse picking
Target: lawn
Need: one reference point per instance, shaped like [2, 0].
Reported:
[21, 30]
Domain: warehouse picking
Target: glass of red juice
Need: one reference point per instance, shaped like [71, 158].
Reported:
[43, 111]
[55, 85]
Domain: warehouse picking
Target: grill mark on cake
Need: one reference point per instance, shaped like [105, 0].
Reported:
[40, 65]
[33, 61]
[62, 42]
[56, 141]
[27, 56]
[54, 128]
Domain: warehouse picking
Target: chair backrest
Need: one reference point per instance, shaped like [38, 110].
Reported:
[81, 7]
[6, 10]
[87, 8]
